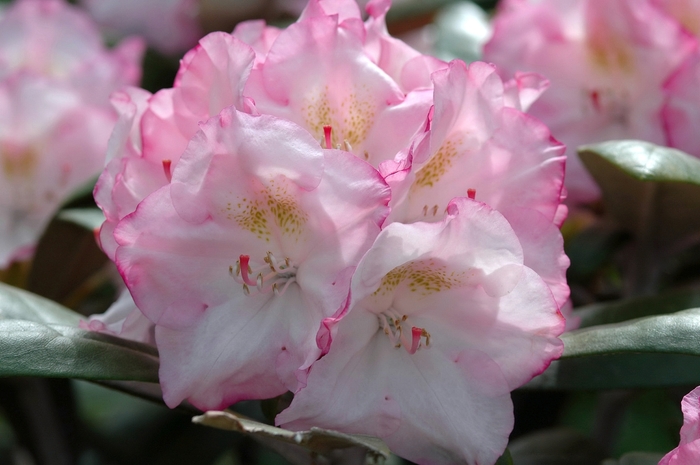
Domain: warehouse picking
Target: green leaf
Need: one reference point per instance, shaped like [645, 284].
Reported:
[647, 186]
[505, 459]
[88, 218]
[655, 351]
[636, 458]
[628, 309]
[34, 349]
[41, 338]
[16, 304]
[317, 440]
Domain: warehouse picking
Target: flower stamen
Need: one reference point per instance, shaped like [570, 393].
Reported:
[273, 277]
[393, 327]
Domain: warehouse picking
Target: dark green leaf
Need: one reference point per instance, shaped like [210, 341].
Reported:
[675, 334]
[505, 459]
[34, 349]
[628, 309]
[556, 446]
[41, 338]
[646, 186]
[647, 352]
[316, 440]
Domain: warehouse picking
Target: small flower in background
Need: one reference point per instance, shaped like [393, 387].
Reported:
[688, 451]
[55, 118]
[682, 109]
[607, 62]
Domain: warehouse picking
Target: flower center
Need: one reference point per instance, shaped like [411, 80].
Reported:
[402, 333]
[274, 275]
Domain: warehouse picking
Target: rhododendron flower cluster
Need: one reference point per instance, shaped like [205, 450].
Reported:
[324, 210]
[55, 117]
[608, 62]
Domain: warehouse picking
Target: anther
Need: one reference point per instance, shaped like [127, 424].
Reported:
[471, 193]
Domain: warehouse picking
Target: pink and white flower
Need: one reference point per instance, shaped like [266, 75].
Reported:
[688, 451]
[55, 40]
[478, 144]
[681, 111]
[346, 75]
[123, 319]
[55, 119]
[256, 208]
[445, 320]
[154, 130]
[607, 62]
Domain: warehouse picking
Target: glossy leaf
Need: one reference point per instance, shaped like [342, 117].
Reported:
[647, 187]
[34, 349]
[628, 309]
[316, 440]
[655, 351]
[41, 338]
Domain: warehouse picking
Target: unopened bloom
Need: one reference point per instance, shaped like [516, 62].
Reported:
[688, 451]
[607, 62]
[239, 260]
[445, 321]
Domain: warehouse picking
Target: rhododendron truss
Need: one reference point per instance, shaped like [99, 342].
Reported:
[607, 61]
[55, 118]
[244, 209]
[239, 260]
[445, 321]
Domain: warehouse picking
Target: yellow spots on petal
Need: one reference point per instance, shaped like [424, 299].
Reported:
[351, 117]
[18, 163]
[424, 277]
[611, 55]
[438, 164]
[271, 211]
